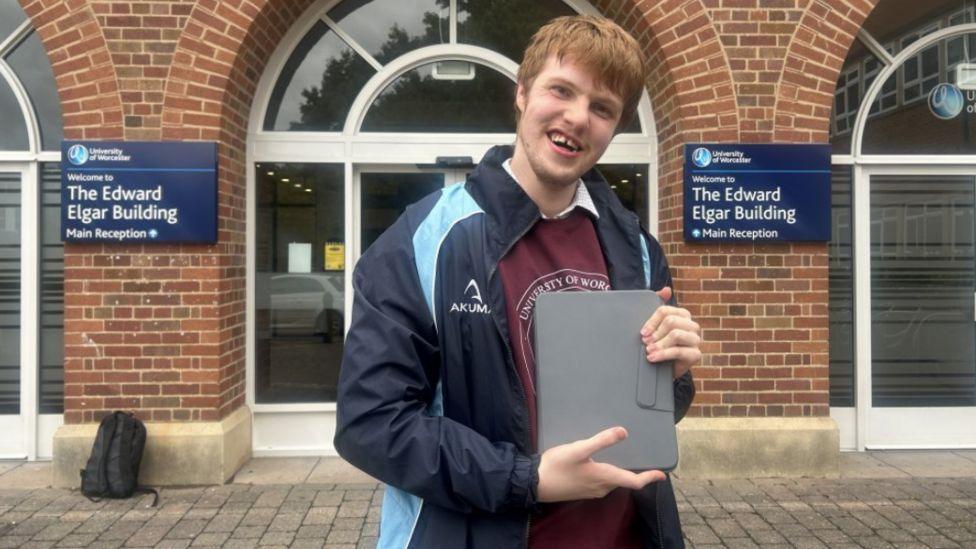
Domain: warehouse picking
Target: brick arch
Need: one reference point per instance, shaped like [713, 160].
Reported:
[91, 105]
[813, 62]
[691, 87]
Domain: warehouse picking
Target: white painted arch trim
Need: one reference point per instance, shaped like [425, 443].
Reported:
[317, 13]
[408, 61]
[896, 62]
[20, 93]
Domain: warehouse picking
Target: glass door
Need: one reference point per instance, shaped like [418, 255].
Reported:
[384, 192]
[15, 389]
[921, 391]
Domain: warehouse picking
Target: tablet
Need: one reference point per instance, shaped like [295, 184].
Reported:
[592, 373]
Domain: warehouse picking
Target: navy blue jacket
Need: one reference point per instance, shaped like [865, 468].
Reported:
[429, 400]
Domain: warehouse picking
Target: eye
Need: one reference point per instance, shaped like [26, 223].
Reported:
[603, 111]
[559, 91]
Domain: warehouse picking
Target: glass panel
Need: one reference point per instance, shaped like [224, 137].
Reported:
[388, 29]
[939, 124]
[299, 302]
[51, 382]
[629, 182]
[14, 134]
[317, 85]
[860, 69]
[386, 195]
[11, 16]
[31, 65]
[922, 282]
[841, 289]
[417, 101]
[10, 293]
[505, 26]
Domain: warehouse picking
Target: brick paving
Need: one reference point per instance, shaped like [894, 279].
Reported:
[767, 513]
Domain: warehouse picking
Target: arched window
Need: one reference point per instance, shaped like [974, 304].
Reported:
[365, 107]
[31, 253]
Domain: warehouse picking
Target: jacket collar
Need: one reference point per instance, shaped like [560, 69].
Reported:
[510, 213]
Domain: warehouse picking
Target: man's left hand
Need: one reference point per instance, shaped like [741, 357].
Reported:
[671, 334]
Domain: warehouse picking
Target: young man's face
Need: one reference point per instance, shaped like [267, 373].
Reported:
[567, 122]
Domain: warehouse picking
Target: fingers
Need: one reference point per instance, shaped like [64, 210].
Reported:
[665, 293]
[604, 439]
[615, 476]
[658, 324]
[676, 340]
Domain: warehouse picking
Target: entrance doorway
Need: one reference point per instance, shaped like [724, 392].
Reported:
[31, 309]
[916, 323]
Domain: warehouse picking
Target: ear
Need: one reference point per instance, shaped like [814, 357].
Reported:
[520, 98]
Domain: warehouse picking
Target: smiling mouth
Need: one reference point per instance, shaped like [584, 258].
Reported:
[564, 142]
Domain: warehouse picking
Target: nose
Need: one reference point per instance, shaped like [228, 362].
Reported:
[577, 113]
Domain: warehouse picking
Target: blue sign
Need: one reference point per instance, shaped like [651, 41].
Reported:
[756, 193]
[138, 191]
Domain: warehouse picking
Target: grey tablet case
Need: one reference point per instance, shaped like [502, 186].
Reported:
[592, 373]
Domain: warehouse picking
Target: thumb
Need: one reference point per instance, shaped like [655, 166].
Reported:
[665, 293]
[601, 440]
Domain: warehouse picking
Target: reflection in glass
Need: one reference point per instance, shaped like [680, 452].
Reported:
[505, 26]
[31, 65]
[841, 289]
[388, 29]
[386, 195]
[914, 128]
[922, 282]
[11, 17]
[299, 302]
[10, 293]
[419, 102]
[51, 382]
[14, 134]
[629, 182]
[317, 85]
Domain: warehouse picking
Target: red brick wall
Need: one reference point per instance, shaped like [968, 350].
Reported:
[763, 308]
[161, 329]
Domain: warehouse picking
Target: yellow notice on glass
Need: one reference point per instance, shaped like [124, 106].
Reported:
[335, 256]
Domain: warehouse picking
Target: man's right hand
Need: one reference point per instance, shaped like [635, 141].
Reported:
[568, 472]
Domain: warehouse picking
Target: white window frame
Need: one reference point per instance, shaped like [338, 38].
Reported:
[35, 430]
[919, 36]
[356, 151]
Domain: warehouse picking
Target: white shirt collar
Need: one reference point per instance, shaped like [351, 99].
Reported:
[581, 198]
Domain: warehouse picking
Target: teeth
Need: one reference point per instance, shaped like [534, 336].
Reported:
[561, 139]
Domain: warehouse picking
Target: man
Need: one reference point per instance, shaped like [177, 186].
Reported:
[436, 393]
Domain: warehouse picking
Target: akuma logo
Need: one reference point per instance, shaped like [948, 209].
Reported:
[701, 157]
[477, 291]
[473, 292]
[946, 101]
[78, 154]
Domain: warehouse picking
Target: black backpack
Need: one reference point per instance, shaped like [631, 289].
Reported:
[113, 467]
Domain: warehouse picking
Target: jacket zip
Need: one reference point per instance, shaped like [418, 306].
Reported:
[508, 348]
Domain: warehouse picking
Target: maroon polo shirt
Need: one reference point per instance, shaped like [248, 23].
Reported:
[561, 255]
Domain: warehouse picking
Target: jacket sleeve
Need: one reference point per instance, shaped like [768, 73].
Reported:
[684, 386]
[389, 413]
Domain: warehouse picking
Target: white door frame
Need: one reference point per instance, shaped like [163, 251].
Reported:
[308, 428]
[864, 426]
